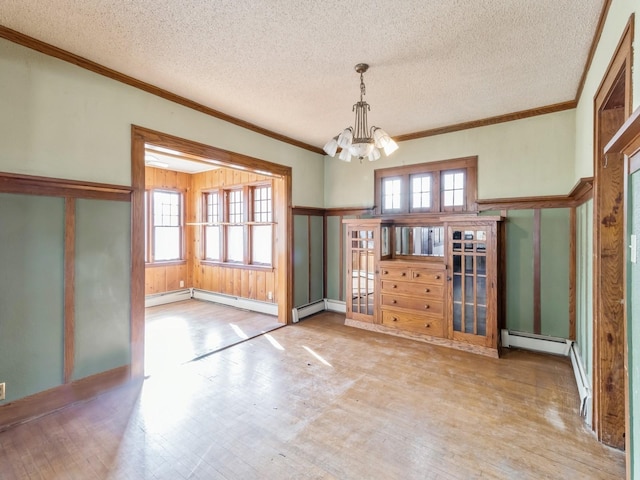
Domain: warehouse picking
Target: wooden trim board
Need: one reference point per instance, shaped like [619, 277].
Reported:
[42, 403]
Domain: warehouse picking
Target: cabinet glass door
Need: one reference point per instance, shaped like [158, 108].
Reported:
[468, 293]
[362, 272]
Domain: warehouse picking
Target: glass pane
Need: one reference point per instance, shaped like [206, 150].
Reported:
[457, 288]
[391, 193]
[482, 320]
[261, 247]
[457, 264]
[384, 241]
[481, 235]
[468, 318]
[481, 290]
[468, 264]
[448, 198]
[458, 198]
[212, 243]
[166, 243]
[481, 265]
[457, 235]
[457, 317]
[468, 289]
[235, 243]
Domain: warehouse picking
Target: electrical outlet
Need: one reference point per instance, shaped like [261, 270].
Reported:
[2, 391]
[181, 283]
[269, 295]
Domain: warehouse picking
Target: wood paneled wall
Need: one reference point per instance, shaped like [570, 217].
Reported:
[254, 283]
[160, 278]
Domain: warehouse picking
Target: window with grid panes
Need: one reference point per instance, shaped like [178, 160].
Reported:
[262, 235]
[235, 229]
[164, 215]
[447, 185]
[212, 229]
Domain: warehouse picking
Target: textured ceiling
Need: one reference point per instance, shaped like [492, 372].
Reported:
[287, 65]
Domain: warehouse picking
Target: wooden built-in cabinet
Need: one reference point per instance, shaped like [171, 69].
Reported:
[436, 279]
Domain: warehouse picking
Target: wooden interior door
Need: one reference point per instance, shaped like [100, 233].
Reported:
[471, 295]
[362, 241]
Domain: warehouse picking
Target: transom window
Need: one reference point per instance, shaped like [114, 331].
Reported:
[435, 187]
[164, 226]
[239, 225]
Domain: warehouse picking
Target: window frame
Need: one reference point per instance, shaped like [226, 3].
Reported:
[149, 216]
[468, 165]
[247, 223]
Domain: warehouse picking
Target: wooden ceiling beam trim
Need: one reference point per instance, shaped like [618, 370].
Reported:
[509, 117]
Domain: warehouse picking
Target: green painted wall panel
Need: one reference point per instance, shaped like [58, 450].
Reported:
[31, 294]
[333, 258]
[584, 285]
[316, 286]
[103, 279]
[554, 271]
[519, 285]
[300, 260]
[633, 325]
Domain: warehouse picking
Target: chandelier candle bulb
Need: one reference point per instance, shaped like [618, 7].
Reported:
[359, 141]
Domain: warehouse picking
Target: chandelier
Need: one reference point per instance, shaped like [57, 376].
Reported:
[359, 141]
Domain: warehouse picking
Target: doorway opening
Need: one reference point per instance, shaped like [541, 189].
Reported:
[182, 251]
[612, 106]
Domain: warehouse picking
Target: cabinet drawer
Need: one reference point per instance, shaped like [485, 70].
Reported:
[424, 305]
[415, 323]
[428, 275]
[395, 273]
[415, 289]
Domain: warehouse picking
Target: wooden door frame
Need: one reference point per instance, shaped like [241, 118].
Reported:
[608, 392]
[282, 210]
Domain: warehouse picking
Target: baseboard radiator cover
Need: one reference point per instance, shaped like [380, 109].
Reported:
[335, 305]
[167, 297]
[538, 343]
[582, 381]
[238, 302]
[304, 311]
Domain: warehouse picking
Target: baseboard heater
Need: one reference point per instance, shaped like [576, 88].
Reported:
[167, 297]
[238, 302]
[308, 310]
[538, 343]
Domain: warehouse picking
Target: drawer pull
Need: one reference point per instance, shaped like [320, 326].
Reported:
[394, 301]
[427, 325]
[395, 319]
[416, 275]
[404, 274]
[427, 290]
[385, 272]
[437, 277]
[394, 286]
[426, 307]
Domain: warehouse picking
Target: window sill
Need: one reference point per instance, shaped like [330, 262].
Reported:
[168, 263]
[242, 266]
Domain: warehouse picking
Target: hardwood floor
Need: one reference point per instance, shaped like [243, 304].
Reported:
[179, 332]
[321, 400]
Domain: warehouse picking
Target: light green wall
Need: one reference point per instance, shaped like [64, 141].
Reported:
[316, 282]
[334, 259]
[528, 157]
[300, 260]
[554, 271]
[31, 294]
[102, 286]
[68, 122]
[584, 285]
[633, 326]
[617, 18]
[519, 284]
